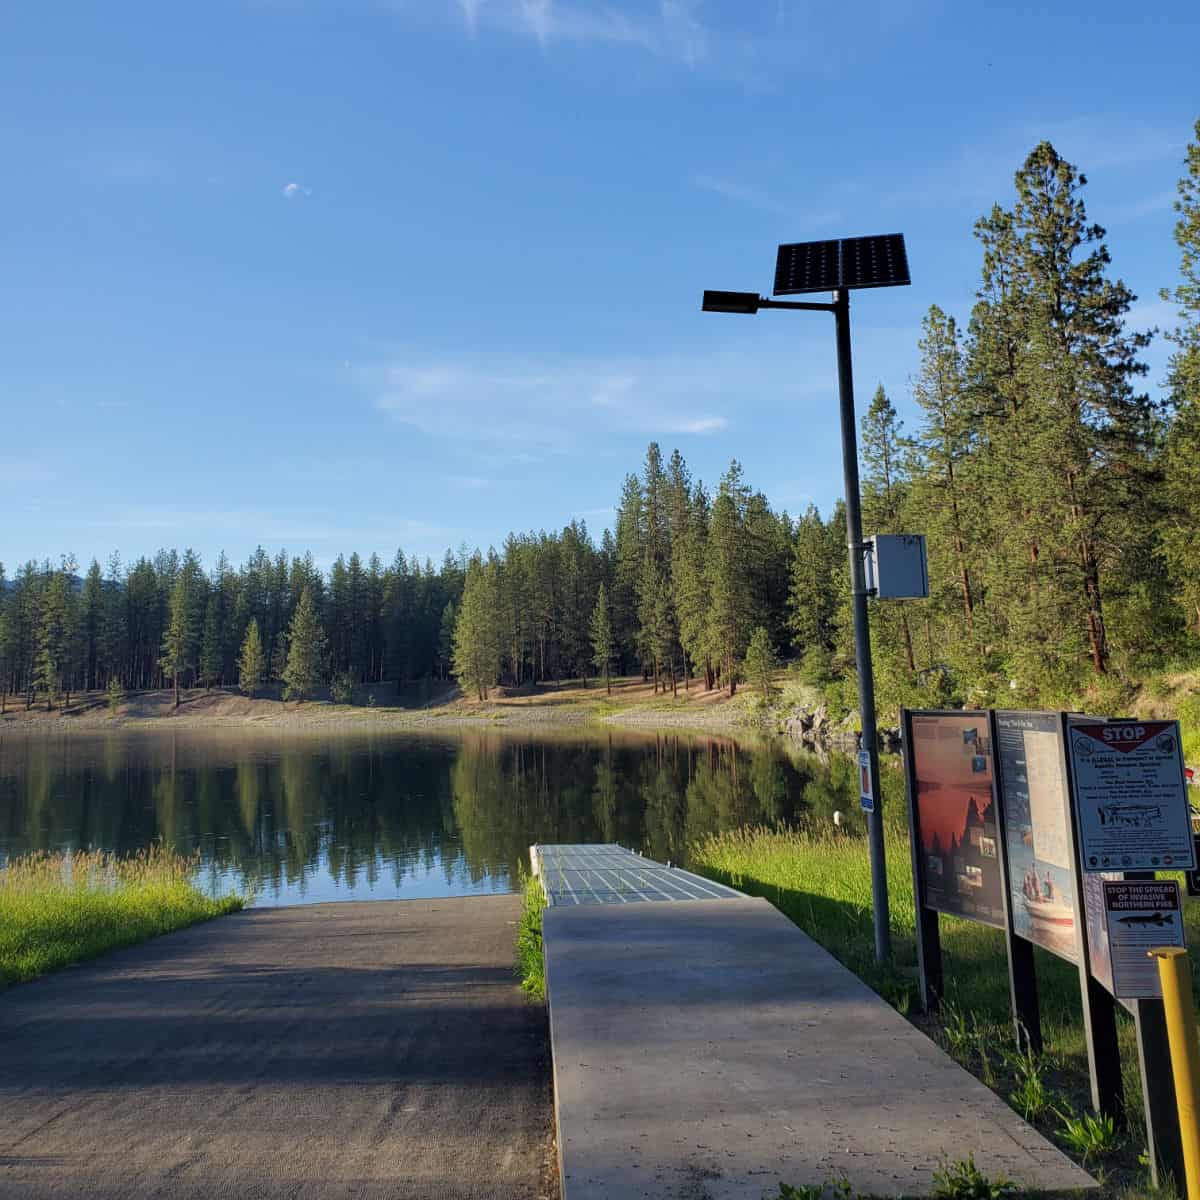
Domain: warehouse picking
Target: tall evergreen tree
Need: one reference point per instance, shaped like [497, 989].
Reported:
[602, 638]
[1182, 459]
[53, 637]
[1067, 432]
[179, 641]
[476, 636]
[251, 663]
[729, 605]
[211, 641]
[306, 651]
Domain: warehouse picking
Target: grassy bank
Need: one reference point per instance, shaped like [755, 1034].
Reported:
[530, 963]
[57, 909]
[821, 880]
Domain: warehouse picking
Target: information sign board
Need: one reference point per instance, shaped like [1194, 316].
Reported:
[866, 797]
[1141, 914]
[1130, 796]
[1037, 829]
[955, 810]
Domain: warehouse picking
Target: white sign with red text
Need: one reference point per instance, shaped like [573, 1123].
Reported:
[1130, 796]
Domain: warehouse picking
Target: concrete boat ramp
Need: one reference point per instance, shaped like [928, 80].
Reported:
[705, 1048]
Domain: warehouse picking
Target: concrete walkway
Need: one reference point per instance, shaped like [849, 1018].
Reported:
[709, 1050]
[342, 1050]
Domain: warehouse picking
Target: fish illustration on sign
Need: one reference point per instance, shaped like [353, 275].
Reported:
[1158, 918]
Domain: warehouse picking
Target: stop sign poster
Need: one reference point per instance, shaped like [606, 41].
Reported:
[1130, 796]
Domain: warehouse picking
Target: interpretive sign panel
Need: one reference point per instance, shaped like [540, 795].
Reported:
[1096, 925]
[955, 810]
[1130, 796]
[1141, 914]
[1037, 824]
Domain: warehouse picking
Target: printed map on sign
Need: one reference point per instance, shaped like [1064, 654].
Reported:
[1131, 796]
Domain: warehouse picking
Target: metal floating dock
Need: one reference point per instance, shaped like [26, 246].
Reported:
[610, 874]
[710, 1049]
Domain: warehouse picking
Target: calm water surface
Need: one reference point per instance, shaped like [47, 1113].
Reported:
[301, 819]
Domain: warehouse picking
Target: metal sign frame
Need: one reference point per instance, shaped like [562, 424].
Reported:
[1098, 1003]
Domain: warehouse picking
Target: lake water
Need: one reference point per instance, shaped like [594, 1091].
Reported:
[301, 819]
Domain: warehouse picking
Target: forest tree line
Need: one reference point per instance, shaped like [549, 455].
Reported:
[1060, 504]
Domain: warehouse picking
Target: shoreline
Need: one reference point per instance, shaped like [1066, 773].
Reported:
[565, 708]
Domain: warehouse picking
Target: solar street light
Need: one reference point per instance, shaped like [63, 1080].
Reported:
[840, 265]
[731, 302]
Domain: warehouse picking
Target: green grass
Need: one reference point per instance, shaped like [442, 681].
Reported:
[57, 909]
[531, 964]
[821, 880]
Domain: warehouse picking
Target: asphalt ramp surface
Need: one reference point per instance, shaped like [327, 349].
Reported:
[359, 1050]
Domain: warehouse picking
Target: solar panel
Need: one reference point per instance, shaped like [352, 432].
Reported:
[861, 262]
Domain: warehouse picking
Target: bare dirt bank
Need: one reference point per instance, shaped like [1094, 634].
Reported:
[632, 704]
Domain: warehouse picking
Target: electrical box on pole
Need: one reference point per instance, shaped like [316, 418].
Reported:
[896, 568]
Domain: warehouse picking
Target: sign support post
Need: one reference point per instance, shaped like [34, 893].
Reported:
[1163, 1140]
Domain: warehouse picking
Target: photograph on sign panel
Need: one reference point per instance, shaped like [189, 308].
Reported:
[956, 815]
[1033, 793]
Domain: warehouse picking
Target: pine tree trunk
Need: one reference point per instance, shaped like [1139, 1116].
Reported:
[176, 689]
[1097, 636]
[964, 576]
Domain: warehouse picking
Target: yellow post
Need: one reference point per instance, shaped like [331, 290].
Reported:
[1180, 1012]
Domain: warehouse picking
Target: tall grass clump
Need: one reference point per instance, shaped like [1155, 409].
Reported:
[57, 909]
[531, 964]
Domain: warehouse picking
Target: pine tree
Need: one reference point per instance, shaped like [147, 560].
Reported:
[1066, 434]
[885, 487]
[602, 637]
[113, 627]
[92, 617]
[813, 599]
[6, 640]
[729, 605]
[446, 639]
[689, 551]
[251, 663]
[760, 662]
[212, 641]
[306, 652]
[279, 656]
[1182, 465]
[476, 637]
[627, 570]
[943, 447]
[180, 638]
[53, 636]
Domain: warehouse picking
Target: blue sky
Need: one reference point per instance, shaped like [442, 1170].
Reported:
[361, 275]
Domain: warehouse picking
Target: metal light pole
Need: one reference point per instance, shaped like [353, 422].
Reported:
[862, 626]
[838, 266]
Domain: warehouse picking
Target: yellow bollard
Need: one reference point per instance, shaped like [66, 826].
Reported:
[1180, 1012]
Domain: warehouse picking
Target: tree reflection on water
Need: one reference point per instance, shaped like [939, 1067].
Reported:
[313, 818]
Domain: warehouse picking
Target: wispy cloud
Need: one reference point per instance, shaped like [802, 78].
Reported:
[292, 190]
[674, 32]
[469, 483]
[550, 403]
[739, 193]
